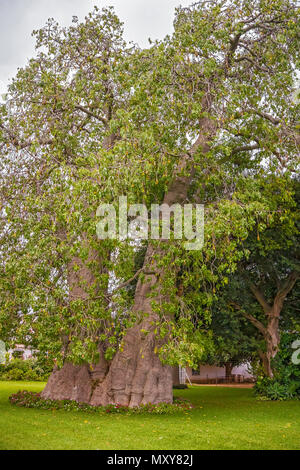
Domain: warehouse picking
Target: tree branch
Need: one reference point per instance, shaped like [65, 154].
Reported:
[22, 145]
[91, 114]
[244, 148]
[258, 324]
[121, 286]
[260, 298]
[270, 118]
[285, 288]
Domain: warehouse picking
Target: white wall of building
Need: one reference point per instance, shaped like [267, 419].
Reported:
[27, 353]
[213, 372]
[243, 369]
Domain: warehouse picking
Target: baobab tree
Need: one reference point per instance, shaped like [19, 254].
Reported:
[91, 118]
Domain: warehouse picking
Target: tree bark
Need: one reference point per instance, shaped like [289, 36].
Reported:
[136, 375]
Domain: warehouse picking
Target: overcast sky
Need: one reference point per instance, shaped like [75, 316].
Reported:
[18, 18]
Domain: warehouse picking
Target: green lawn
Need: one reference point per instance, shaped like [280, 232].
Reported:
[223, 418]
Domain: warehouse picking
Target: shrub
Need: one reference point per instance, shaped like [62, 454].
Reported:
[273, 389]
[285, 385]
[13, 374]
[32, 375]
[20, 364]
[19, 369]
[34, 400]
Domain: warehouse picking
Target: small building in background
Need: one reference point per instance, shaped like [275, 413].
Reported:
[207, 374]
[20, 352]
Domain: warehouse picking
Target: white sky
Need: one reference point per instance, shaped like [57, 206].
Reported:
[18, 18]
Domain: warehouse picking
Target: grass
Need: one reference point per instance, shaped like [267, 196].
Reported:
[223, 418]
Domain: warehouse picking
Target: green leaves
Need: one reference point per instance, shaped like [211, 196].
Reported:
[90, 119]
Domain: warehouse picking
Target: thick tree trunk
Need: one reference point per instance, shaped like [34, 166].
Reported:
[136, 375]
[69, 383]
[75, 382]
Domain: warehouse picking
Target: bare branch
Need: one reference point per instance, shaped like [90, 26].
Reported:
[245, 148]
[22, 145]
[91, 114]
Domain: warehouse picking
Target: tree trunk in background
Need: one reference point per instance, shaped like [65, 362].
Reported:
[272, 313]
[272, 341]
[266, 365]
[228, 370]
[175, 375]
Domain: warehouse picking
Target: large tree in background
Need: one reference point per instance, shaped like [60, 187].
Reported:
[234, 342]
[90, 119]
[264, 288]
[258, 301]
